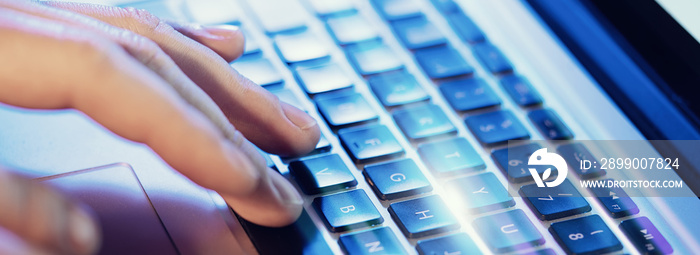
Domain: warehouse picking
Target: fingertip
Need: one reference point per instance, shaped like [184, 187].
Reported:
[305, 139]
[85, 233]
[275, 203]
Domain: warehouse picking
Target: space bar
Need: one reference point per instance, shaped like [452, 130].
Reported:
[302, 237]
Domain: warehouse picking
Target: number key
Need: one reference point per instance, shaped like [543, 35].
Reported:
[585, 235]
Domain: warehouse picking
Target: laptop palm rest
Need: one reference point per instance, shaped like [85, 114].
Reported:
[130, 225]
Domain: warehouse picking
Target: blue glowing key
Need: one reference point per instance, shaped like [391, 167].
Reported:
[347, 210]
[551, 203]
[616, 200]
[450, 157]
[442, 62]
[397, 9]
[423, 121]
[479, 193]
[396, 179]
[520, 90]
[371, 59]
[469, 94]
[497, 127]
[508, 231]
[351, 29]
[322, 78]
[550, 125]
[345, 109]
[416, 33]
[465, 27]
[492, 58]
[258, 70]
[459, 243]
[322, 174]
[397, 88]
[423, 216]
[585, 235]
[574, 153]
[300, 47]
[513, 162]
[376, 241]
[445, 6]
[645, 236]
[368, 143]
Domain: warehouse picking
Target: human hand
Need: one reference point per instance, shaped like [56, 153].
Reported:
[147, 81]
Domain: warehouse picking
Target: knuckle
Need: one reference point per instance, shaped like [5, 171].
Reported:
[144, 22]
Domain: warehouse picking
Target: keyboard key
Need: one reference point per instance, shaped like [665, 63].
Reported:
[513, 161]
[351, 29]
[442, 62]
[465, 27]
[479, 193]
[258, 70]
[288, 96]
[396, 179]
[541, 252]
[373, 59]
[346, 109]
[397, 88]
[469, 94]
[300, 47]
[573, 154]
[397, 9]
[213, 12]
[645, 236]
[616, 200]
[451, 244]
[416, 33]
[323, 78]
[278, 16]
[347, 210]
[377, 241]
[322, 174]
[423, 216]
[450, 157]
[251, 46]
[497, 127]
[324, 7]
[322, 146]
[445, 6]
[508, 231]
[370, 143]
[423, 121]
[585, 235]
[520, 90]
[551, 203]
[492, 58]
[550, 125]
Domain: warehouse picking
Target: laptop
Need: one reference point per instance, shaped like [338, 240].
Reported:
[449, 127]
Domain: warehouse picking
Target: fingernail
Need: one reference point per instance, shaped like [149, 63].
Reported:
[300, 118]
[84, 232]
[224, 31]
[288, 194]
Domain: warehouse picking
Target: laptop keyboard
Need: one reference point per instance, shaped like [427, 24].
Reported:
[402, 167]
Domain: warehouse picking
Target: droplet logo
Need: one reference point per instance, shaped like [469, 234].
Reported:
[542, 157]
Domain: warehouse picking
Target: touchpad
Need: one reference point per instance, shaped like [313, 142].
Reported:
[129, 223]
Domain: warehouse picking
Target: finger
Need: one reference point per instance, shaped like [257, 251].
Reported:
[98, 77]
[139, 47]
[226, 40]
[43, 218]
[273, 126]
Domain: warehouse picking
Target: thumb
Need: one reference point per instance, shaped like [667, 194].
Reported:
[45, 219]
